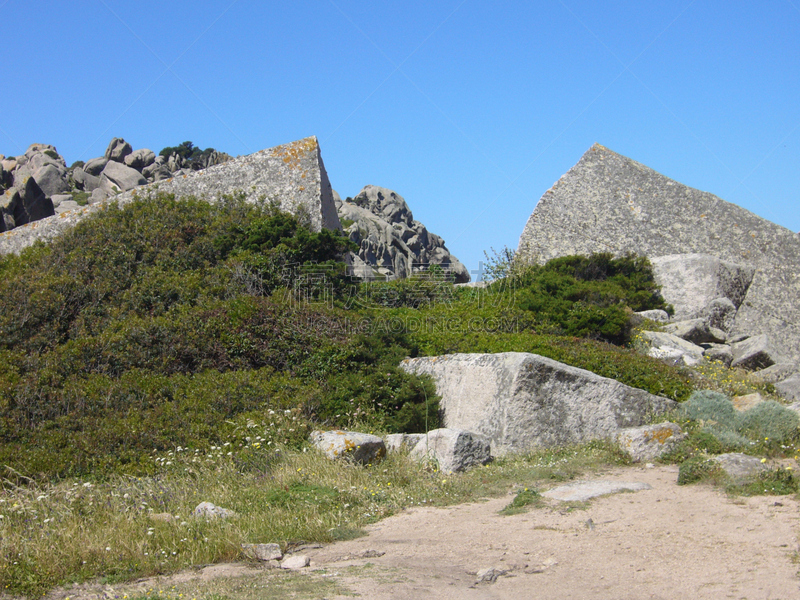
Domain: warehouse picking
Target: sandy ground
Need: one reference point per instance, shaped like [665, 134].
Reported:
[668, 542]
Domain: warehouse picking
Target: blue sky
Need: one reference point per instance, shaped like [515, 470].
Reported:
[469, 109]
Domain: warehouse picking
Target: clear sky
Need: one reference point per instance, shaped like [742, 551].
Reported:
[469, 109]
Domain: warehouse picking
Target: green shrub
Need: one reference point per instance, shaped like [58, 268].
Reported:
[710, 408]
[769, 421]
[698, 468]
[774, 482]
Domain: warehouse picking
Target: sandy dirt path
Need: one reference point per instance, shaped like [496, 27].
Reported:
[667, 542]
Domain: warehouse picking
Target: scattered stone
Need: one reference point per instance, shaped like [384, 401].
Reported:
[581, 491]
[295, 562]
[453, 450]
[263, 552]
[753, 353]
[650, 441]
[362, 448]
[789, 388]
[739, 466]
[747, 401]
[671, 349]
[211, 511]
[86, 182]
[519, 401]
[398, 441]
[489, 575]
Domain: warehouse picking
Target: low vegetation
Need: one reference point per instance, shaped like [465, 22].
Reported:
[170, 352]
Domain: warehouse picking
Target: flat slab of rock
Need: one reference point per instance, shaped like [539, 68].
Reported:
[581, 491]
[520, 401]
[292, 175]
[650, 441]
[362, 448]
[453, 450]
[610, 203]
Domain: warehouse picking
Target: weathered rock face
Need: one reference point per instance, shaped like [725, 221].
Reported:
[610, 203]
[392, 243]
[691, 282]
[519, 401]
[292, 174]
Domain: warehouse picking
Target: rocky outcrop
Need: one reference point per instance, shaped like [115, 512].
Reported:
[520, 401]
[650, 441]
[610, 203]
[392, 244]
[292, 175]
[121, 168]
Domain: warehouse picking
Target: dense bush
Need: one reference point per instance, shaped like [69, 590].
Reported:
[167, 323]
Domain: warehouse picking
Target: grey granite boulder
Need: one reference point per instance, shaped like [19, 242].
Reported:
[263, 552]
[777, 372]
[51, 180]
[610, 203]
[453, 450]
[650, 441]
[720, 313]
[117, 150]
[753, 353]
[212, 511]
[392, 244]
[581, 491]
[739, 466]
[720, 353]
[23, 204]
[95, 166]
[361, 448]
[125, 178]
[139, 159]
[520, 401]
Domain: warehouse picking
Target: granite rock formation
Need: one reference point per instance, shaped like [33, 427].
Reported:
[392, 244]
[292, 174]
[610, 203]
[519, 401]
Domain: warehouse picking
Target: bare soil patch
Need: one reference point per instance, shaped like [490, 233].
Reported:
[663, 543]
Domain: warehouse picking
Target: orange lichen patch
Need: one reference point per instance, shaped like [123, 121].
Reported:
[291, 154]
[659, 435]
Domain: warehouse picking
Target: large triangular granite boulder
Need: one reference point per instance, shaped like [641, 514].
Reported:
[610, 203]
[292, 174]
[520, 401]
